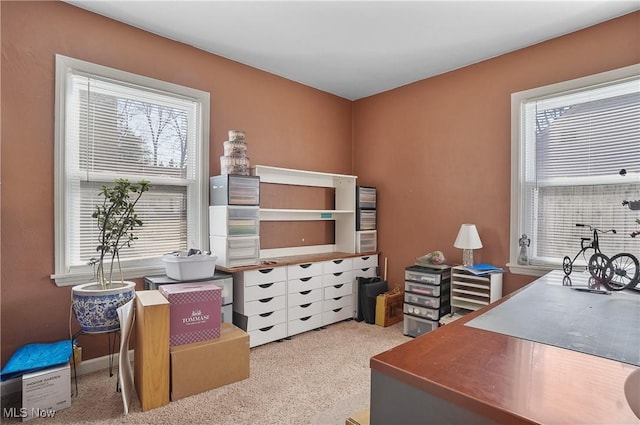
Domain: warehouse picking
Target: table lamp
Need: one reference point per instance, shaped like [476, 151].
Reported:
[468, 240]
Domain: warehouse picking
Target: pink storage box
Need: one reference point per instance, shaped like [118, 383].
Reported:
[195, 311]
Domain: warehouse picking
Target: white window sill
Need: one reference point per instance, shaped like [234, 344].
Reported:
[531, 270]
[71, 279]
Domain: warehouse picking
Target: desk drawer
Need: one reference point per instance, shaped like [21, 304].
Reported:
[304, 310]
[268, 334]
[304, 297]
[304, 284]
[337, 302]
[266, 305]
[337, 266]
[304, 324]
[365, 262]
[337, 278]
[295, 271]
[262, 276]
[259, 321]
[339, 290]
[244, 294]
[336, 315]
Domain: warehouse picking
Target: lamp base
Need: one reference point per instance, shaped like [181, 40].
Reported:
[467, 257]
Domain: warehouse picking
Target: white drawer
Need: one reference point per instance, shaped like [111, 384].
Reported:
[259, 321]
[236, 251]
[295, 271]
[338, 290]
[336, 315]
[266, 305]
[260, 276]
[304, 324]
[304, 310]
[234, 221]
[304, 297]
[333, 303]
[366, 272]
[365, 262]
[304, 284]
[337, 278]
[336, 266]
[268, 334]
[244, 294]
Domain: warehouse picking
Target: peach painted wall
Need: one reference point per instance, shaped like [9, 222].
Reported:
[287, 124]
[438, 150]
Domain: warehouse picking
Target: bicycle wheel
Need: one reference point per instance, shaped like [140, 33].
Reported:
[625, 272]
[567, 266]
[600, 267]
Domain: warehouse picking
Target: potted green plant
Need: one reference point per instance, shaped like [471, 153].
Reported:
[95, 304]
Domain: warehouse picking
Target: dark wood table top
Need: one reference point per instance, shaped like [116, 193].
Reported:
[511, 380]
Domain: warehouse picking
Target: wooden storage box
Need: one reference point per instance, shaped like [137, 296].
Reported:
[389, 307]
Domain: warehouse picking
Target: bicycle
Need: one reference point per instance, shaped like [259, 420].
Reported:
[616, 273]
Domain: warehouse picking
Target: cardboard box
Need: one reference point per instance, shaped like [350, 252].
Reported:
[195, 311]
[359, 418]
[45, 392]
[389, 307]
[206, 365]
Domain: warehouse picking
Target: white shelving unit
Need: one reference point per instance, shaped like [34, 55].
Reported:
[471, 292]
[343, 214]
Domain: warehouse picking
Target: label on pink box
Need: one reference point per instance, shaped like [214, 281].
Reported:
[195, 311]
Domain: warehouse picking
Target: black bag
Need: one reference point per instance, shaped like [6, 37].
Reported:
[368, 289]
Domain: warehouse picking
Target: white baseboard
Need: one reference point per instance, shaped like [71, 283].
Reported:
[86, 366]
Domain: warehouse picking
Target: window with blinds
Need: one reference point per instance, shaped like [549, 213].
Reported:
[572, 140]
[113, 124]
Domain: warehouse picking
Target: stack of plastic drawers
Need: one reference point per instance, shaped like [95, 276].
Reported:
[426, 298]
[234, 219]
[366, 233]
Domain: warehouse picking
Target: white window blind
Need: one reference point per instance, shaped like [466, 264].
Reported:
[572, 146]
[117, 125]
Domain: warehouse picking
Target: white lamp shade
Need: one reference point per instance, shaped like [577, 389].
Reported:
[468, 237]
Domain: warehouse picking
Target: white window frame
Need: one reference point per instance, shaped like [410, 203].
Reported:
[518, 101]
[197, 221]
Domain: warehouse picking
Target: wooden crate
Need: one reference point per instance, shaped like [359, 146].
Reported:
[389, 307]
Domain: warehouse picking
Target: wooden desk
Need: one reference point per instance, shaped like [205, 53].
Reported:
[458, 374]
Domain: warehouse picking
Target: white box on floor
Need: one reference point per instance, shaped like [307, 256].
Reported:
[46, 391]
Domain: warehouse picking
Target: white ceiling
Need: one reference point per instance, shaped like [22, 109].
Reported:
[355, 49]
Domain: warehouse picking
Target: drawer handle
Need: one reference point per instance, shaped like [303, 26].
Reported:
[305, 292]
[265, 271]
[338, 274]
[305, 305]
[338, 298]
[266, 314]
[338, 286]
[266, 285]
[305, 279]
[265, 300]
[338, 261]
[365, 258]
[268, 328]
[304, 319]
[304, 266]
[335, 310]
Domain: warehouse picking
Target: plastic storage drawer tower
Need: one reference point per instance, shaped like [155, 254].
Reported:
[426, 298]
[366, 233]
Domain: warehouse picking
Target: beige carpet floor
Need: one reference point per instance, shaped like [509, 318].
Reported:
[318, 378]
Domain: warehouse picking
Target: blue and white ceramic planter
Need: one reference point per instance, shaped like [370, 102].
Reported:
[96, 309]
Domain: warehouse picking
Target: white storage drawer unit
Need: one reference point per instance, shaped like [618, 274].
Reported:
[260, 304]
[236, 251]
[234, 221]
[366, 241]
[227, 189]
